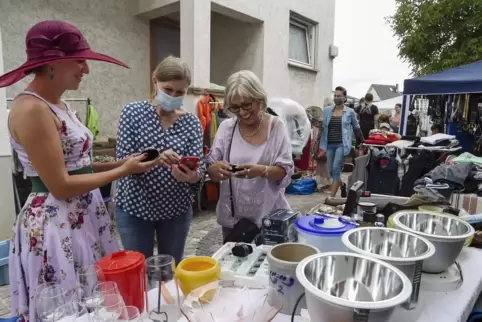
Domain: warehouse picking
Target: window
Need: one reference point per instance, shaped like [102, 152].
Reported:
[302, 41]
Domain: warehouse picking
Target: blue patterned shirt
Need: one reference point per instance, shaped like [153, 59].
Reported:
[156, 194]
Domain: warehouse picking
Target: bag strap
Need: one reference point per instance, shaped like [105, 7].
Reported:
[229, 157]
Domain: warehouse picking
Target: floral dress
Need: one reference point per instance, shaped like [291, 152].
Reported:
[53, 239]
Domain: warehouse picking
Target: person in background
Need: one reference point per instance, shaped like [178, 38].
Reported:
[437, 128]
[361, 103]
[159, 202]
[367, 115]
[258, 144]
[395, 119]
[339, 122]
[384, 119]
[64, 226]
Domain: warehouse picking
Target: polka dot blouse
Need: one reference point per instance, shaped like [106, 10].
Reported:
[156, 194]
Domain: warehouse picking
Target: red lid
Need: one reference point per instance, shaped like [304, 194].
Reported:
[120, 262]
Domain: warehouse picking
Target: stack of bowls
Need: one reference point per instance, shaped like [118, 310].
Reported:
[351, 287]
[404, 250]
[446, 232]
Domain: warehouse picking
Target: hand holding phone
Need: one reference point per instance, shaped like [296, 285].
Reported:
[191, 162]
[234, 168]
[151, 153]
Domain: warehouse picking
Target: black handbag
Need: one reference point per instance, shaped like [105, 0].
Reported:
[244, 231]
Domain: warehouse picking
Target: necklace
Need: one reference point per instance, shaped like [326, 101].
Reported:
[252, 133]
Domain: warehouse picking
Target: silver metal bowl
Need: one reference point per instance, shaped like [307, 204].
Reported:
[351, 287]
[402, 249]
[447, 233]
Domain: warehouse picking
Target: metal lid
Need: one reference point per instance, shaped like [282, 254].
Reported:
[324, 225]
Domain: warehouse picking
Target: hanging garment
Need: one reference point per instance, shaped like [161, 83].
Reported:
[383, 175]
[212, 127]
[92, 120]
[205, 109]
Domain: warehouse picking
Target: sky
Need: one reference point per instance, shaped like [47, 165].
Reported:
[367, 49]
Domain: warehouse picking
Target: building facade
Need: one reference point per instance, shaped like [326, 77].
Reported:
[288, 45]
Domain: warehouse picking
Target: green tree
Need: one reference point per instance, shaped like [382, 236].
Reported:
[435, 35]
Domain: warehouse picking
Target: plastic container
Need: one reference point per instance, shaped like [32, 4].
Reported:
[4, 250]
[197, 271]
[323, 232]
[127, 270]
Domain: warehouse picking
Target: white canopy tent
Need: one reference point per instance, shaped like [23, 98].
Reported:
[388, 106]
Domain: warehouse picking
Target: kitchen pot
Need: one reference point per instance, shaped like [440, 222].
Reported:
[323, 231]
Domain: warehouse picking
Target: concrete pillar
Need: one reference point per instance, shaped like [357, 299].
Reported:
[7, 203]
[196, 39]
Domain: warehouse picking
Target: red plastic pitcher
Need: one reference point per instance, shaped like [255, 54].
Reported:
[127, 270]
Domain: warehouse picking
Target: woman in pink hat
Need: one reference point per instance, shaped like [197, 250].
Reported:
[64, 225]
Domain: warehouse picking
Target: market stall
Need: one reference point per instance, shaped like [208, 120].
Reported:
[450, 97]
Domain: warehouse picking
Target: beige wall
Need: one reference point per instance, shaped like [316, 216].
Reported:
[202, 41]
[235, 45]
[110, 27]
[280, 79]
[7, 216]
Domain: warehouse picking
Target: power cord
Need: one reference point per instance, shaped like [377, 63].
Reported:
[296, 306]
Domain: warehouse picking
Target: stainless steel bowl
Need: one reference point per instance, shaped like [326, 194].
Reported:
[447, 233]
[402, 249]
[351, 287]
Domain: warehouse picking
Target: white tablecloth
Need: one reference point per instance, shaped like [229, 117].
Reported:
[452, 306]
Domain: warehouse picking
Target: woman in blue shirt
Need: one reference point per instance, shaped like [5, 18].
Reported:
[159, 202]
[339, 123]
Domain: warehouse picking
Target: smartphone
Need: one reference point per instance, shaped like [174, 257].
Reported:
[152, 154]
[234, 168]
[190, 162]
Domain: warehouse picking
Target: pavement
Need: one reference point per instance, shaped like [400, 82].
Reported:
[204, 237]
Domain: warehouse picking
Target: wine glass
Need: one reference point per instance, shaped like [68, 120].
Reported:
[109, 307]
[160, 271]
[72, 312]
[131, 314]
[107, 287]
[51, 296]
[87, 278]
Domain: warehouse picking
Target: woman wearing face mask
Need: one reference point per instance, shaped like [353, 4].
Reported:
[258, 144]
[339, 122]
[158, 203]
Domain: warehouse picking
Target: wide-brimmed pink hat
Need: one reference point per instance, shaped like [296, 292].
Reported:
[50, 41]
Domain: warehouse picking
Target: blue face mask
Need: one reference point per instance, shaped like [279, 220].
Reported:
[168, 103]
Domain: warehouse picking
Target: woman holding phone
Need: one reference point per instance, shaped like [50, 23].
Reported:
[159, 203]
[64, 225]
[251, 157]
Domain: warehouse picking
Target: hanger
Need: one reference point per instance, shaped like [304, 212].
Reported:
[88, 101]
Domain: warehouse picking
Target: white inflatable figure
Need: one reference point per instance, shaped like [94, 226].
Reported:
[296, 120]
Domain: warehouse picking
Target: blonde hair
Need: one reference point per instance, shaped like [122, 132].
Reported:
[246, 85]
[171, 68]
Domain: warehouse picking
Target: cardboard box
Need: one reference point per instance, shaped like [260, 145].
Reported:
[279, 227]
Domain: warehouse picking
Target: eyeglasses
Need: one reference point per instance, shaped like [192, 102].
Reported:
[245, 106]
